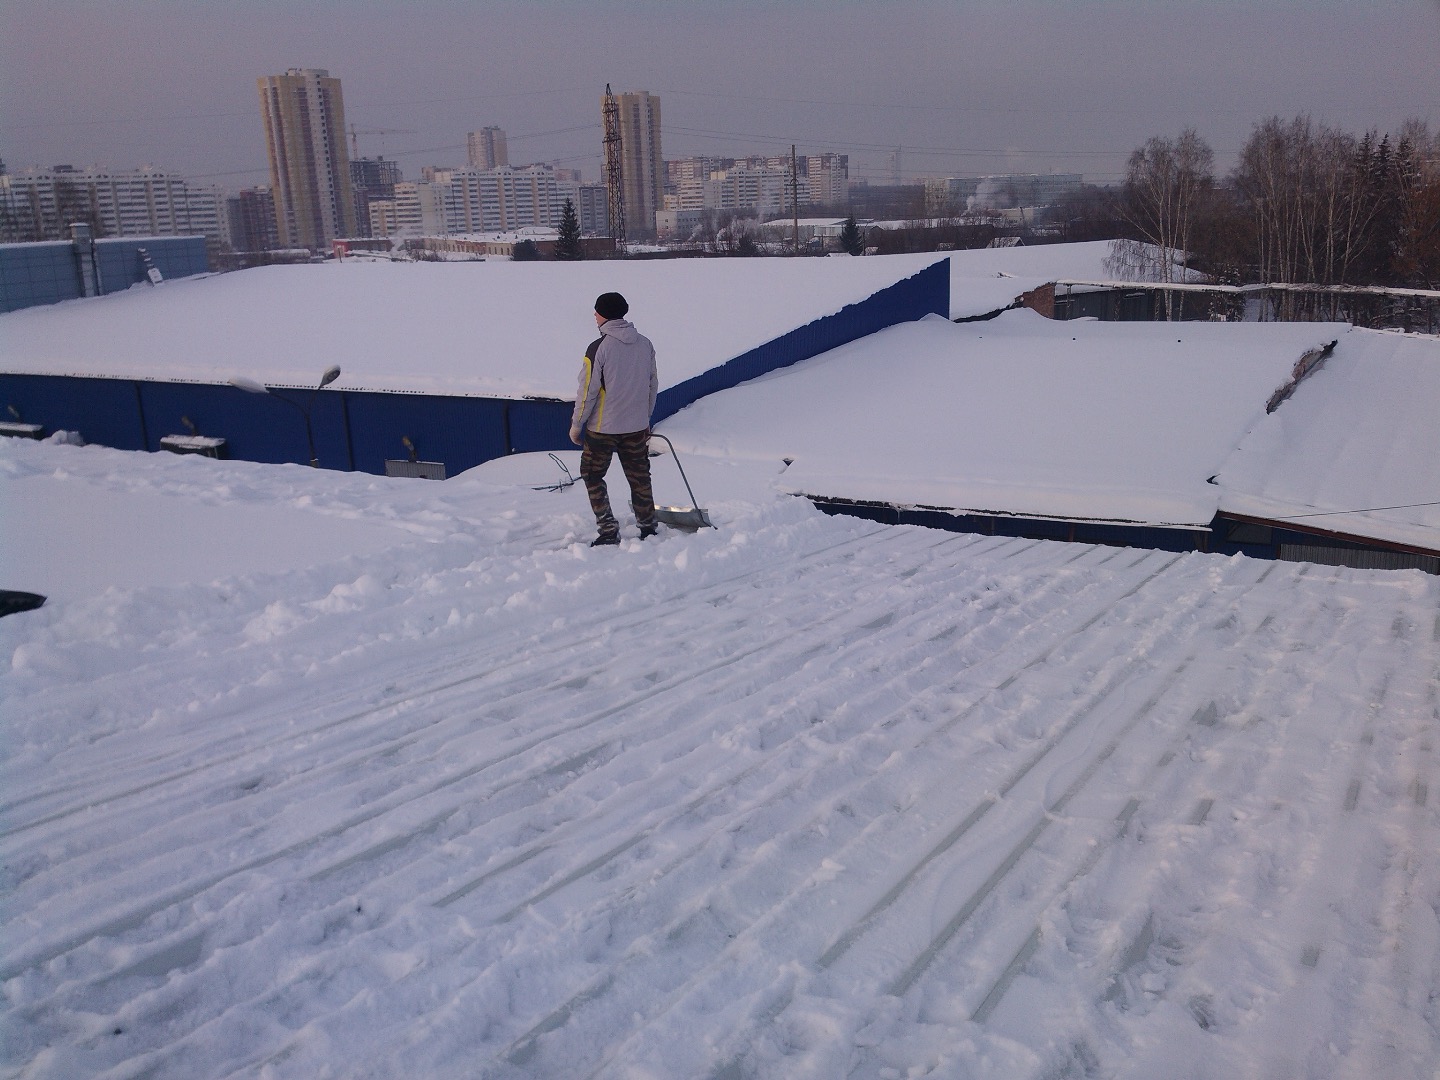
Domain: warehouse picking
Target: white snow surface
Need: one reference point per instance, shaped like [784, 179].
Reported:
[421, 786]
[1018, 415]
[494, 328]
[1361, 433]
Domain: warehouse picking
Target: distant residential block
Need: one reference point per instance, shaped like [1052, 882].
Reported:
[41, 204]
[462, 201]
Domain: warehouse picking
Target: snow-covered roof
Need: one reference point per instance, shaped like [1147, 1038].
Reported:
[988, 279]
[524, 232]
[488, 329]
[1355, 449]
[1019, 415]
[491, 329]
[311, 773]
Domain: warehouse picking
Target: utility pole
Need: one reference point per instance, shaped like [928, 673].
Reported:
[614, 170]
[795, 197]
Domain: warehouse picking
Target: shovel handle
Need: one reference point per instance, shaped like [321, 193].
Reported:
[657, 435]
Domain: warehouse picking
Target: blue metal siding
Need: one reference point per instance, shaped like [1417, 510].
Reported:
[46, 273]
[105, 411]
[254, 428]
[925, 293]
[174, 256]
[461, 432]
[537, 425]
[33, 274]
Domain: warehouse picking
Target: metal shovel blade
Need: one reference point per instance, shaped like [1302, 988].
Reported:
[689, 518]
[681, 517]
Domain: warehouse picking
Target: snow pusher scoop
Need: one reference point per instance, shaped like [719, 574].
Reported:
[681, 517]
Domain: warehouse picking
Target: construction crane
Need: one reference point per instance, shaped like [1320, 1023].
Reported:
[355, 143]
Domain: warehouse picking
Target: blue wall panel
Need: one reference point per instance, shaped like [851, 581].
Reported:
[255, 426]
[537, 425]
[174, 256]
[43, 273]
[46, 273]
[105, 411]
[461, 432]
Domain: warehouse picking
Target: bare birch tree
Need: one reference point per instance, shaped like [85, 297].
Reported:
[1417, 254]
[1165, 182]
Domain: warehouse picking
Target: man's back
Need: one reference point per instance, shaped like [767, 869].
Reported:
[619, 381]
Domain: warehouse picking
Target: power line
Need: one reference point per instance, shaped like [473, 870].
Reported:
[250, 112]
[1366, 510]
[889, 147]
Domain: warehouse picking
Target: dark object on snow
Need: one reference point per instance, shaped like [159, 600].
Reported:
[11, 601]
[681, 517]
[559, 485]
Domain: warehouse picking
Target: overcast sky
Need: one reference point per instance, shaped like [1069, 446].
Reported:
[963, 87]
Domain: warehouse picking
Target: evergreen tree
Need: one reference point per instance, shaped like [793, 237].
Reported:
[526, 251]
[568, 248]
[850, 239]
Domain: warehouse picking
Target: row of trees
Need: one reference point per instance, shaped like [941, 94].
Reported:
[1305, 203]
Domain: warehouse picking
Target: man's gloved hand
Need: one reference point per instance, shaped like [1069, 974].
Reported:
[575, 436]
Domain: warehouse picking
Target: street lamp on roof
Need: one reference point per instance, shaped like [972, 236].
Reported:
[250, 386]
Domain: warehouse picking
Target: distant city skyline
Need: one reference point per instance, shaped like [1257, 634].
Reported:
[961, 88]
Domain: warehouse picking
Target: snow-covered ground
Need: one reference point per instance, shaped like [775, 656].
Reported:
[317, 774]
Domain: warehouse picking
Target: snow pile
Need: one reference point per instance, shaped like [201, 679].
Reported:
[446, 793]
[1361, 433]
[1019, 415]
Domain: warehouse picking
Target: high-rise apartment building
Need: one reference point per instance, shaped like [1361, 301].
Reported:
[486, 148]
[591, 202]
[642, 167]
[371, 179]
[827, 178]
[304, 114]
[251, 218]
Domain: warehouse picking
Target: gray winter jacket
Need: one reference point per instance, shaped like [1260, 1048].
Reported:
[618, 382]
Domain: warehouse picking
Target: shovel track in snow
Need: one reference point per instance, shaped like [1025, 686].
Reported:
[644, 910]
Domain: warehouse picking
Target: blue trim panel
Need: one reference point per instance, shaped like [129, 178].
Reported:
[925, 293]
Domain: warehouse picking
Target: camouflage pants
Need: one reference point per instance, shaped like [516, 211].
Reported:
[634, 451]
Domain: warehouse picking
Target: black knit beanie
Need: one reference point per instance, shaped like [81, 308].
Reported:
[611, 305]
